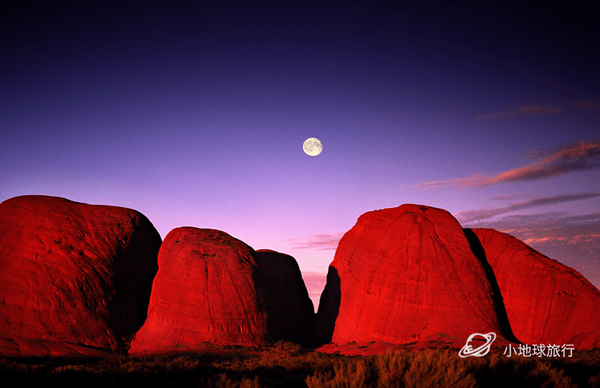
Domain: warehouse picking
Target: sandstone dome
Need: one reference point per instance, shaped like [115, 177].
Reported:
[74, 278]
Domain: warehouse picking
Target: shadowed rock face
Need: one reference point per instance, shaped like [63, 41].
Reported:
[290, 312]
[211, 287]
[546, 301]
[405, 274]
[74, 278]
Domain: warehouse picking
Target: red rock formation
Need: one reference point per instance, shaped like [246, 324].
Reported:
[204, 291]
[546, 301]
[74, 278]
[405, 274]
[213, 288]
[290, 312]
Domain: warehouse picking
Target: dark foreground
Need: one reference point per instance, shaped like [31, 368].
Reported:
[286, 365]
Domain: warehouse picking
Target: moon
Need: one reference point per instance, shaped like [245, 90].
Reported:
[312, 146]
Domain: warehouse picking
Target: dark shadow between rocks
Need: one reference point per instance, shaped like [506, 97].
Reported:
[284, 297]
[479, 252]
[135, 266]
[329, 308]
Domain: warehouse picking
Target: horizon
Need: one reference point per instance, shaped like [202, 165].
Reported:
[194, 114]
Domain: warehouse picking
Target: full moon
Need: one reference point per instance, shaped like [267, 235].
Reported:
[312, 146]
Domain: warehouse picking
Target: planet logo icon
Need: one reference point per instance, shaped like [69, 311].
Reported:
[469, 351]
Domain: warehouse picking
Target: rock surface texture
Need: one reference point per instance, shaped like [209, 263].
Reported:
[74, 278]
[406, 274]
[213, 288]
[546, 301]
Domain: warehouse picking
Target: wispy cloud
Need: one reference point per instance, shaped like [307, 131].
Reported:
[323, 241]
[497, 116]
[578, 156]
[508, 197]
[473, 180]
[587, 104]
[522, 111]
[486, 214]
[569, 240]
[540, 110]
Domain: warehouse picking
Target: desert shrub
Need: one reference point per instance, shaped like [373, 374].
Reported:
[438, 369]
[284, 349]
[543, 375]
[391, 368]
[347, 373]
[69, 369]
[284, 365]
[581, 367]
[499, 371]
[401, 369]
[12, 366]
[594, 381]
[223, 381]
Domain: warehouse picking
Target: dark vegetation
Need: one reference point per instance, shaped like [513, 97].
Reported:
[286, 365]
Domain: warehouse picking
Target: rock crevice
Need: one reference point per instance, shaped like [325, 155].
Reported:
[412, 273]
[213, 288]
[479, 252]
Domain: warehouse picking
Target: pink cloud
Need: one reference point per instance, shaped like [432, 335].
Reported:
[473, 180]
[545, 240]
[540, 110]
[323, 241]
[587, 104]
[486, 214]
[497, 116]
[521, 112]
[578, 156]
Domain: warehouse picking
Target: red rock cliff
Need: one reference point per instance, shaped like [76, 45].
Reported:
[211, 287]
[74, 278]
[405, 274]
[204, 291]
[546, 301]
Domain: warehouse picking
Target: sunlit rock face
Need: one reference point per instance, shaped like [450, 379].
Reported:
[546, 301]
[213, 288]
[204, 291]
[406, 274]
[74, 278]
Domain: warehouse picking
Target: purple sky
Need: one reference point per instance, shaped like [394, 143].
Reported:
[196, 115]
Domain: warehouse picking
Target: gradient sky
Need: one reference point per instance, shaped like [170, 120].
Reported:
[195, 115]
